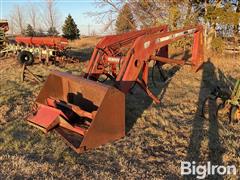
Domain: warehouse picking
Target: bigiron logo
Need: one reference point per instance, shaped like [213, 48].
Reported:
[202, 171]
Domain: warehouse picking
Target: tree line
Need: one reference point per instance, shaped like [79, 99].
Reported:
[69, 30]
[41, 20]
[221, 18]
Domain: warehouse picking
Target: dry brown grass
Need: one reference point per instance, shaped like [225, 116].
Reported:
[158, 137]
[84, 42]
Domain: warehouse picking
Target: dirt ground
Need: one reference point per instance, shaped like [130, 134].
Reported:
[158, 137]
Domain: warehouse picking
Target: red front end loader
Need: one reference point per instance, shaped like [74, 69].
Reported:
[87, 113]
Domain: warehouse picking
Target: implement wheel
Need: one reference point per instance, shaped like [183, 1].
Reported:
[25, 57]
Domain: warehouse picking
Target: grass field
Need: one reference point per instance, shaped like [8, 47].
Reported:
[158, 137]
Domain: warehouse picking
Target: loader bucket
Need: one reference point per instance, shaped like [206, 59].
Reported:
[84, 113]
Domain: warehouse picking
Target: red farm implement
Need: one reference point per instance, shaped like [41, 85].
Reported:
[51, 42]
[87, 113]
[34, 49]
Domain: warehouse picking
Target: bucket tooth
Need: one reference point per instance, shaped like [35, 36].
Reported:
[90, 114]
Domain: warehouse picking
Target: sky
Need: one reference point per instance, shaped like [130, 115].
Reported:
[77, 8]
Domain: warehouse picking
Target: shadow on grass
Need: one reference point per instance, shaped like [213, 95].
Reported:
[216, 150]
[138, 101]
[19, 97]
[84, 54]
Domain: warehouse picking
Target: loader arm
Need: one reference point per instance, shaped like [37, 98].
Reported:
[144, 50]
[110, 46]
[86, 113]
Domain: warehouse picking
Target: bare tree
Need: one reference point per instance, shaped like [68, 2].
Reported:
[20, 16]
[17, 17]
[51, 18]
[33, 15]
[11, 26]
[106, 17]
[146, 13]
[119, 10]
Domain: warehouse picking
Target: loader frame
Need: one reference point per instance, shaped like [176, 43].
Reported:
[87, 113]
[151, 45]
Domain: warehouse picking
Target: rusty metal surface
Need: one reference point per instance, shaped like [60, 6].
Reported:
[84, 113]
[112, 46]
[90, 113]
[125, 67]
[145, 46]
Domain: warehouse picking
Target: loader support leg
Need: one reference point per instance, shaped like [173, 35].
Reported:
[147, 90]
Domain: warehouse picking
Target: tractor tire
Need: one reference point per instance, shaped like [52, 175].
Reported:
[25, 57]
[234, 111]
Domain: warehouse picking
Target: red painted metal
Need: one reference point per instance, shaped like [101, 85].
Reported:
[50, 120]
[143, 53]
[144, 46]
[113, 46]
[53, 42]
[90, 113]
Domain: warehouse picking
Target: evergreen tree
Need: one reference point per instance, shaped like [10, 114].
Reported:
[125, 21]
[29, 31]
[69, 29]
[52, 31]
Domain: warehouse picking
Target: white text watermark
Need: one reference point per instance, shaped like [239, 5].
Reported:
[202, 171]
